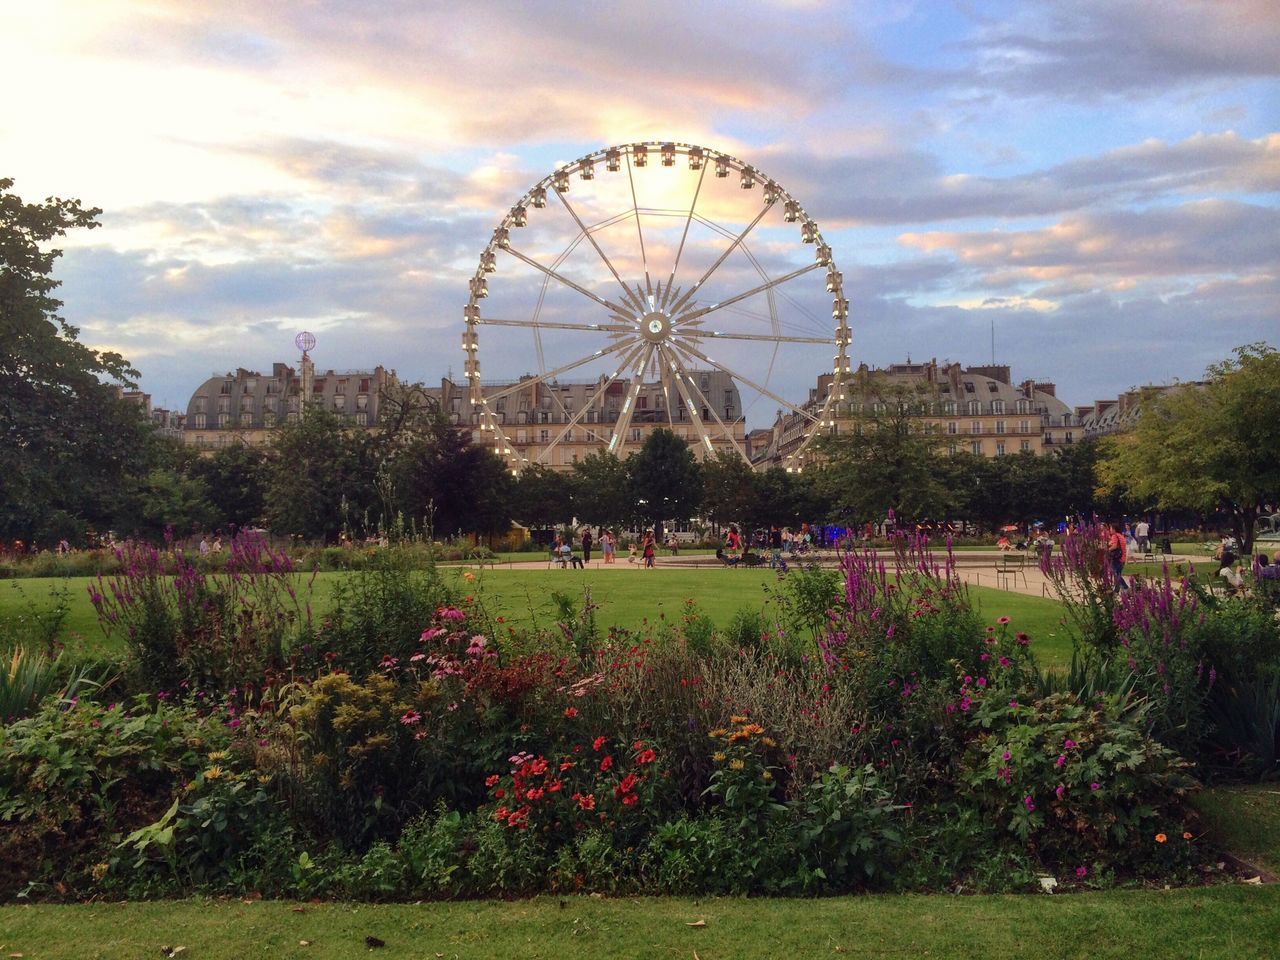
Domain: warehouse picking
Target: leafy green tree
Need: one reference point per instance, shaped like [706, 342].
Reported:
[68, 442]
[1211, 448]
[665, 480]
[543, 497]
[321, 476]
[164, 501]
[728, 486]
[887, 462]
[602, 491]
[235, 479]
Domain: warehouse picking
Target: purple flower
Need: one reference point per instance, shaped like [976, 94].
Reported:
[1082, 872]
[1095, 786]
[1068, 744]
[1028, 803]
[1006, 755]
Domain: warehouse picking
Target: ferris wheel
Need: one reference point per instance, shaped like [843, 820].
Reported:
[655, 284]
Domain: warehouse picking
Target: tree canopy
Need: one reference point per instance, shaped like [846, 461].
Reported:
[666, 482]
[1210, 447]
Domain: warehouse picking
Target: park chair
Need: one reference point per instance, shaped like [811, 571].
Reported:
[1009, 567]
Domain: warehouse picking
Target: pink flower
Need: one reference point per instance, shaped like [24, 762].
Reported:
[1095, 786]
[1068, 744]
[410, 718]
[1082, 872]
[1004, 661]
[1002, 620]
[431, 633]
[1062, 758]
[1060, 790]
[450, 613]
[1028, 803]
[1006, 755]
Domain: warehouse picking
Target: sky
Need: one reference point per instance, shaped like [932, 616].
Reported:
[1090, 183]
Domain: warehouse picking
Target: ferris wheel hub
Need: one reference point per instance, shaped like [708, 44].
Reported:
[655, 327]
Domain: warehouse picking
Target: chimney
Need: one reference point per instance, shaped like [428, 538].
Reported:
[1048, 388]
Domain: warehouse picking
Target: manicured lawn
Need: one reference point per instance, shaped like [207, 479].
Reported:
[1229, 921]
[1245, 820]
[626, 597]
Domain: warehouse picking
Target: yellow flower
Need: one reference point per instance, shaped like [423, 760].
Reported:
[1161, 838]
[100, 870]
[213, 773]
[737, 719]
[766, 776]
[217, 755]
[264, 778]
[768, 741]
[718, 757]
[736, 764]
[468, 575]
[753, 728]
[716, 734]
[738, 736]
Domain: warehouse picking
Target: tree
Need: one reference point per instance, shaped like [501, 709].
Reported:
[543, 497]
[665, 480]
[728, 488]
[320, 478]
[235, 480]
[602, 491]
[888, 462]
[1209, 448]
[68, 442]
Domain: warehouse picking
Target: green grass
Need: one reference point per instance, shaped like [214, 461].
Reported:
[1231, 921]
[1244, 820]
[626, 597]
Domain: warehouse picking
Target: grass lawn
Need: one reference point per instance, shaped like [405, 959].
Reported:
[1228, 921]
[626, 597]
[1245, 820]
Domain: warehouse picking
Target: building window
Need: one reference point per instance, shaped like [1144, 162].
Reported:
[951, 449]
[224, 404]
[997, 406]
[224, 419]
[200, 421]
[268, 419]
[999, 426]
[293, 416]
[1024, 426]
[522, 436]
[1026, 445]
[339, 403]
[246, 419]
[544, 436]
[1067, 438]
[635, 433]
[226, 386]
[568, 437]
[200, 404]
[362, 418]
[976, 447]
[975, 427]
[973, 407]
[1022, 406]
[502, 405]
[364, 384]
[953, 427]
[362, 402]
[999, 449]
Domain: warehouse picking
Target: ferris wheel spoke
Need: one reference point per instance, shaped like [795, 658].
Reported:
[558, 325]
[644, 259]
[561, 278]
[685, 383]
[675, 267]
[592, 240]
[623, 422]
[764, 391]
[551, 374]
[768, 338]
[592, 401]
[678, 374]
[737, 241]
[768, 285]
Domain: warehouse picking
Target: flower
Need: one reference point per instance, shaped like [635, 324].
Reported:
[491, 780]
[1095, 786]
[1002, 620]
[1161, 838]
[1186, 834]
[1006, 755]
[605, 764]
[570, 713]
[599, 742]
[1062, 758]
[646, 756]
[411, 717]
[1028, 803]
[736, 764]
[214, 773]
[1082, 872]
[1068, 744]
[468, 576]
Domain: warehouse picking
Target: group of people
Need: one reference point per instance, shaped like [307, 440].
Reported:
[562, 550]
[1233, 573]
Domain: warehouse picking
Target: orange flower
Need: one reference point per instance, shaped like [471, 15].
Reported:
[1186, 834]
[1161, 838]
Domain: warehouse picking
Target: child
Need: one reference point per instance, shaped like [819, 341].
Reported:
[631, 552]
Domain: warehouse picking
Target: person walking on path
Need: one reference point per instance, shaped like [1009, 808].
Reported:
[607, 546]
[586, 546]
[649, 550]
[1117, 553]
[1142, 533]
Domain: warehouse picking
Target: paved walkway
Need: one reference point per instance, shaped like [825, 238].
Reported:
[978, 568]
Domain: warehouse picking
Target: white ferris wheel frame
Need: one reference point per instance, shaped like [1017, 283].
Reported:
[654, 322]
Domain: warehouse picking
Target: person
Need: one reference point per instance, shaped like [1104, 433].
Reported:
[775, 547]
[607, 546]
[204, 547]
[649, 549]
[1116, 553]
[556, 555]
[1231, 577]
[1142, 531]
[631, 552]
[1003, 543]
[217, 543]
[673, 543]
[1268, 570]
[733, 543]
[586, 546]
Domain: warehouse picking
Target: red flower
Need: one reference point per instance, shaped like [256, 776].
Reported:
[605, 764]
[565, 765]
[647, 756]
[499, 794]
[491, 780]
[629, 799]
[571, 712]
[598, 743]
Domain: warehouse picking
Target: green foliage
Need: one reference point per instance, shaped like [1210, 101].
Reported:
[666, 481]
[320, 476]
[1207, 447]
[1079, 784]
[543, 497]
[73, 777]
[847, 835]
[31, 678]
[602, 491]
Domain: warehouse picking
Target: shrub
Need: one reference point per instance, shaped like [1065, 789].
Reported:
[846, 830]
[1081, 785]
[31, 678]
